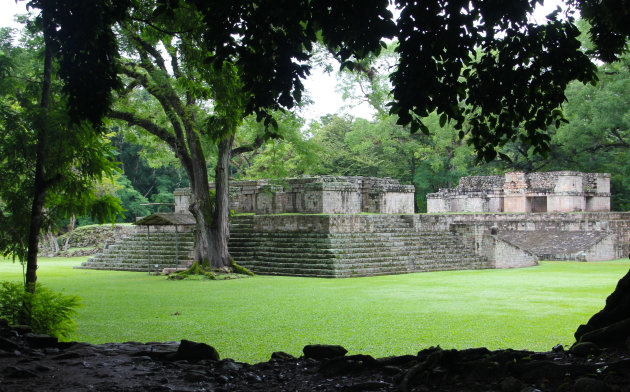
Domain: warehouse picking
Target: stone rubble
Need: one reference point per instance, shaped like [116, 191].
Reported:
[31, 362]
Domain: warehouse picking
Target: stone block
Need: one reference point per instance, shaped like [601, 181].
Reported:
[562, 191]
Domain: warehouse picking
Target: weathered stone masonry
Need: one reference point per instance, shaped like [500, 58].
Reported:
[346, 245]
[583, 236]
[560, 191]
[355, 245]
[316, 195]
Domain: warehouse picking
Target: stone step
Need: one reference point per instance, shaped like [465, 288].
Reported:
[348, 263]
[426, 254]
[130, 268]
[352, 247]
[133, 260]
[131, 252]
[374, 242]
[142, 241]
[367, 269]
[294, 235]
[158, 236]
[156, 250]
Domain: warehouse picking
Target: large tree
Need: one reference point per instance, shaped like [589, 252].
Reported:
[189, 108]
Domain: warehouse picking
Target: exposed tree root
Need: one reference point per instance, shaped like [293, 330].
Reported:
[195, 271]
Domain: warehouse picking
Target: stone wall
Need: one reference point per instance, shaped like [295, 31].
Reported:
[616, 224]
[506, 255]
[603, 250]
[340, 245]
[316, 195]
[480, 183]
[487, 244]
[343, 245]
[561, 191]
[182, 200]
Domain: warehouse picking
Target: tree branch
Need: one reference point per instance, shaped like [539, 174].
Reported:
[154, 129]
[144, 46]
[134, 83]
[148, 125]
[164, 102]
[172, 51]
[167, 96]
[161, 30]
[606, 147]
[250, 147]
[616, 133]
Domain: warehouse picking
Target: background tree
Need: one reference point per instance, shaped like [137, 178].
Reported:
[44, 175]
[289, 154]
[149, 173]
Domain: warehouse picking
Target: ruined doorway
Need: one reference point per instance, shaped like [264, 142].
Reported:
[537, 203]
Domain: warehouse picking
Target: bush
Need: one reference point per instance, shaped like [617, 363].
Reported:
[46, 311]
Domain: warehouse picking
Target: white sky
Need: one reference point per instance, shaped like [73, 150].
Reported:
[321, 87]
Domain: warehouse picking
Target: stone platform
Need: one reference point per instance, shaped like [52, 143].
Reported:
[346, 245]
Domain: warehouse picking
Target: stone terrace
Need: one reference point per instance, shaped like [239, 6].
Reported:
[131, 252]
[353, 245]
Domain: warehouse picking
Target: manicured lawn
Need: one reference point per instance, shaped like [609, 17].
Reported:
[247, 319]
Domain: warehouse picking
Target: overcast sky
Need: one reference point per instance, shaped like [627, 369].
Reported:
[320, 86]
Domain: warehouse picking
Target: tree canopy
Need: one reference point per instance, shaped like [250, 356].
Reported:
[451, 54]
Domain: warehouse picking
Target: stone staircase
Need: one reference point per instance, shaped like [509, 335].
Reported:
[130, 253]
[389, 245]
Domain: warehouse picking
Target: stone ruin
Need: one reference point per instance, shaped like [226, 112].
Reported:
[315, 195]
[518, 192]
[334, 226]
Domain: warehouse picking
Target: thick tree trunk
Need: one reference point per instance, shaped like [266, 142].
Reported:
[220, 224]
[212, 230]
[201, 208]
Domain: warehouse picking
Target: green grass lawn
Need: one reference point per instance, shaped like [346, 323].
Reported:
[247, 319]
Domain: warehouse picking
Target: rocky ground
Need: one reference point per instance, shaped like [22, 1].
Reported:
[30, 362]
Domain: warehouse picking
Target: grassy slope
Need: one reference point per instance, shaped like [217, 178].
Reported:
[248, 319]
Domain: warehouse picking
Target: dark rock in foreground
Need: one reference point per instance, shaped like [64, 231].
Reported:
[610, 327]
[35, 363]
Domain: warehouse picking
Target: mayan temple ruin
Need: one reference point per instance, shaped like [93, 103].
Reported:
[334, 226]
[315, 195]
[559, 191]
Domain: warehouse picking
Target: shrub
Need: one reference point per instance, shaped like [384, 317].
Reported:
[46, 311]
